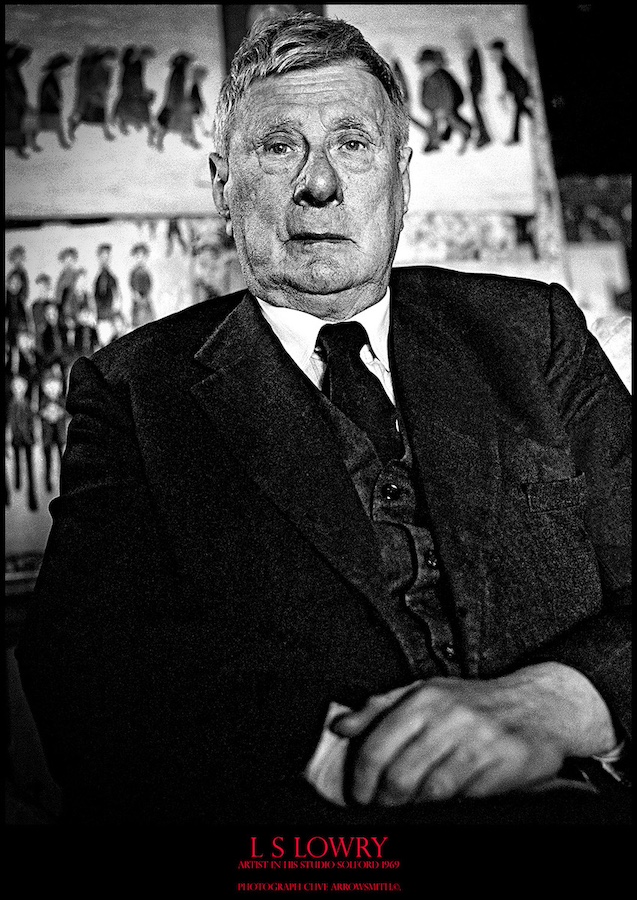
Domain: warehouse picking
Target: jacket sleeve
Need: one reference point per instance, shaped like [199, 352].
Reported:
[118, 699]
[595, 407]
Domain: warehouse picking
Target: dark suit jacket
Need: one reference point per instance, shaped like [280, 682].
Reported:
[212, 582]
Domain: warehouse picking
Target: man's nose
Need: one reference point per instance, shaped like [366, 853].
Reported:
[318, 183]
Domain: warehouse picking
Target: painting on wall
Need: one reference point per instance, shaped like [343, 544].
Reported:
[109, 109]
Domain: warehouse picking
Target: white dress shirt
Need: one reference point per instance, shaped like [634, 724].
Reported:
[298, 333]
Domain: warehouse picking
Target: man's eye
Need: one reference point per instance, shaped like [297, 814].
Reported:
[354, 145]
[279, 148]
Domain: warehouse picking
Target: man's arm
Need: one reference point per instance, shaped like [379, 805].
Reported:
[106, 655]
[596, 410]
[449, 737]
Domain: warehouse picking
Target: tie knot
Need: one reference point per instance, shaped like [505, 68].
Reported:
[342, 338]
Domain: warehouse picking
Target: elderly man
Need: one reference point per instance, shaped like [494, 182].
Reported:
[402, 492]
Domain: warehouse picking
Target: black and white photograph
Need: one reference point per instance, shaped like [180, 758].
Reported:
[318, 344]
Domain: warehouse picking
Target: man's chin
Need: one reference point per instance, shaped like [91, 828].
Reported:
[321, 277]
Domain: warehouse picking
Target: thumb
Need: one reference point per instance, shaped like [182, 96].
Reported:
[350, 724]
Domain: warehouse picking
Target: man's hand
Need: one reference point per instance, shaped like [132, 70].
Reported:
[451, 737]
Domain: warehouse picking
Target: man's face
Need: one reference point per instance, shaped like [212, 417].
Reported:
[315, 189]
[104, 257]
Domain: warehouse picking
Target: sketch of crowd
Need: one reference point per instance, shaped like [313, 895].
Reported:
[182, 111]
[45, 332]
[441, 95]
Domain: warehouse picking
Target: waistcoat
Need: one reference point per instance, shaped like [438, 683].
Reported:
[415, 606]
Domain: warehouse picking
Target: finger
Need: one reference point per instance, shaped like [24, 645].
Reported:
[455, 774]
[373, 749]
[440, 759]
[353, 723]
[401, 780]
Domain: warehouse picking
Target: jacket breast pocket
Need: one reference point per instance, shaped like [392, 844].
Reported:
[543, 568]
[546, 496]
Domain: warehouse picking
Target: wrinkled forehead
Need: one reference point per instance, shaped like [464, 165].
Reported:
[331, 93]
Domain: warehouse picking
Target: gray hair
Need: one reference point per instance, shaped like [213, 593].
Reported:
[302, 41]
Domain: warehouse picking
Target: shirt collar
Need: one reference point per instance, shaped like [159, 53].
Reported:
[298, 331]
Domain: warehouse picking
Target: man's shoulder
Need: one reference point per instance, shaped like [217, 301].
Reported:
[175, 337]
[453, 289]
[486, 308]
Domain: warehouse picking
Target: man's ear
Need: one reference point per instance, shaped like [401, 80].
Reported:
[219, 175]
[405, 155]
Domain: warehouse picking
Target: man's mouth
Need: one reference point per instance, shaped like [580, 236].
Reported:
[310, 236]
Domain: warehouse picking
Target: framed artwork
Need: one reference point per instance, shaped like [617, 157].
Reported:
[109, 109]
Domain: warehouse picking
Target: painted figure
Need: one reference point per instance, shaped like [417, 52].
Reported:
[20, 422]
[16, 297]
[516, 86]
[68, 258]
[106, 295]
[41, 300]
[176, 115]
[54, 339]
[20, 118]
[86, 339]
[133, 106]
[53, 422]
[141, 286]
[442, 96]
[473, 63]
[50, 99]
[94, 75]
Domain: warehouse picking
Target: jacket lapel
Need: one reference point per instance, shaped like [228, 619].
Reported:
[268, 414]
[445, 405]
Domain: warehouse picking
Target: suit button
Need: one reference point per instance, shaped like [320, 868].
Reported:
[390, 491]
[432, 562]
[448, 652]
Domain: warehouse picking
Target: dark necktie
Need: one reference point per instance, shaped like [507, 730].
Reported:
[351, 386]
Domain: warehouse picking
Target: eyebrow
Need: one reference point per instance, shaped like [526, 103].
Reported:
[263, 128]
[281, 124]
[351, 122]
